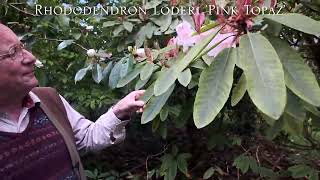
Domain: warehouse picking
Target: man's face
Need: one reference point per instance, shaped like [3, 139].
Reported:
[16, 75]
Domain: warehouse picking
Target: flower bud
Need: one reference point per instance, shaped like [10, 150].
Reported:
[89, 28]
[38, 64]
[140, 52]
[91, 52]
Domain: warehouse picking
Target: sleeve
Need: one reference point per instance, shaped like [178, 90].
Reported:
[94, 136]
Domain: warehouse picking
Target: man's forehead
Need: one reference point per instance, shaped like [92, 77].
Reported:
[7, 38]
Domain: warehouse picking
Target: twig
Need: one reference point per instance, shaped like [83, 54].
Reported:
[272, 163]
[155, 155]
[276, 163]
[20, 10]
[238, 174]
[257, 155]
[58, 40]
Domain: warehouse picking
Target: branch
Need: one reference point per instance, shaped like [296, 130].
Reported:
[20, 10]
[58, 40]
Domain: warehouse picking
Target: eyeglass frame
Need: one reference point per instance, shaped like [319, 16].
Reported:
[14, 53]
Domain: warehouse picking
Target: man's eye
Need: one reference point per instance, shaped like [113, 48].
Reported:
[13, 52]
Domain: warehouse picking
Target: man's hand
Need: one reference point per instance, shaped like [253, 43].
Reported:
[129, 104]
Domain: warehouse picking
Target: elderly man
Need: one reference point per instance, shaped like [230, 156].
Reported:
[40, 133]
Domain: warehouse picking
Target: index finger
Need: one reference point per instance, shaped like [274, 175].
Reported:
[138, 94]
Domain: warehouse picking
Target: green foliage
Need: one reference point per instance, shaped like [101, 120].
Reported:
[300, 171]
[264, 74]
[214, 87]
[173, 162]
[244, 163]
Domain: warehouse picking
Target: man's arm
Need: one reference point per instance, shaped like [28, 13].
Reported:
[108, 129]
[94, 136]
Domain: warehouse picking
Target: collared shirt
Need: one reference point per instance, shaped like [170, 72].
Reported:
[89, 136]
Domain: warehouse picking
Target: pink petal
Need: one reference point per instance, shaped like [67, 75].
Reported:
[184, 35]
[198, 19]
[227, 43]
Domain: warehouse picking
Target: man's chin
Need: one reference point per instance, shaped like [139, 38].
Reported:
[32, 83]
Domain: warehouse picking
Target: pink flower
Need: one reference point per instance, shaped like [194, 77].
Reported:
[198, 19]
[184, 35]
[186, 39]
[228, 42]
[172, 52]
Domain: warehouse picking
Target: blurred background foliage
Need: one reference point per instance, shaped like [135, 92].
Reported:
[240, 144]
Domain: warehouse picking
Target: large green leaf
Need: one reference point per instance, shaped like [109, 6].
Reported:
[146, 71]
[297, 21]
[294, 107]
[185, 77]
[64, 44]
[264, 74]
[128, 26]
[148, 93]
[163, 21]
[114, 76]
[130, 76]
[167, 78]
[97, 73]
[214, 88]
[155, 105]
[81, 73]
[239, 91]
[298, 76]
[292, 125]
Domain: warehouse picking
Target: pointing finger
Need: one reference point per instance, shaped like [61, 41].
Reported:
[139, 103]
[138, 94]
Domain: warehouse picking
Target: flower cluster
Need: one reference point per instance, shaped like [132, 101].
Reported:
[230, 28]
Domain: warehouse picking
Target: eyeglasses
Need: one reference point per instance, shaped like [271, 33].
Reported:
[15, 53]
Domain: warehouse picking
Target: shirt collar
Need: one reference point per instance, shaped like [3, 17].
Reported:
[31, 100]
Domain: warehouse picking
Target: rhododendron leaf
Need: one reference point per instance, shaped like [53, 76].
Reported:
[114, 76]
[152, 4]
[155, 105]
[97, 73]
[214, 88]
[109, 23]
[168, 77]
[128, 26]
[239, 91]
[199, 64]
[207, 27]
[146, 71]
[126, 66]
[118, 30]
[107, 69]
[64, 44]
[81, 73]
[292, 125]
[294, 107]
[264, 74]
[273, 28]
[147, 94]
[145, 31]
[185, 77]
[207, 59]
[141, 83]
[298, 75]
[130, 76]
[163, 21]
[298, 22]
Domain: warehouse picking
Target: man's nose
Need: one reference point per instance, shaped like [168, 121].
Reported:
[28, 57]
